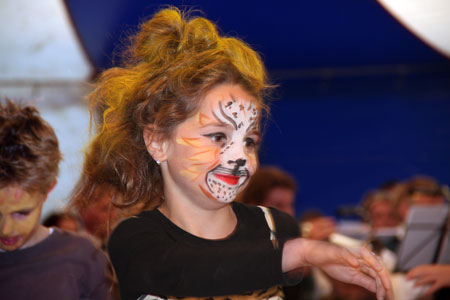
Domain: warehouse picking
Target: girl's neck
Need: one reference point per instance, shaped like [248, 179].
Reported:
[205, 223]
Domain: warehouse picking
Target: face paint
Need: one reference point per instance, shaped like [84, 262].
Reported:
[20, 213]
[215, 151]
[232, 172]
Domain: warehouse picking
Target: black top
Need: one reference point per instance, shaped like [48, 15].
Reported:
[151, 255]
[62, 266]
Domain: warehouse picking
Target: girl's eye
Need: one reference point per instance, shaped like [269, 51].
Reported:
[217, 137]
[250, 142]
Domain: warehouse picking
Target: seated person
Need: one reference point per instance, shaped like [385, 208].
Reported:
[379, 210]
[380, 213]
[37, 262]
[419, 190]
[423, 281]
[432, 279]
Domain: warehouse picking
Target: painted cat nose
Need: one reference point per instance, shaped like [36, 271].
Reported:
[238, 162]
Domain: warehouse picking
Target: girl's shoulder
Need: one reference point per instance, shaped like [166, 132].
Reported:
[254, 216]
[131, 231]
[252, 211]
[145, 220]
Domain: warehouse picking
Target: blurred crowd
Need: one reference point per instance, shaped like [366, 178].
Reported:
[381, 223]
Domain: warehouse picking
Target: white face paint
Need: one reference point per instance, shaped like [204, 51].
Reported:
[214, 153]
[232, 172]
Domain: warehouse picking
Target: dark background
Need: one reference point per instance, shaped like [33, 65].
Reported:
[361, 99]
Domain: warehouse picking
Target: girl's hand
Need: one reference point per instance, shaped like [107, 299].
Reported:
[438, 276]
[358, 266]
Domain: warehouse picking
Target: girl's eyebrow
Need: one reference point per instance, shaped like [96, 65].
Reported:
[215, 124]
[252, 127]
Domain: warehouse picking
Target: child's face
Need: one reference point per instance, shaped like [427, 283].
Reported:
[214, 153]
[20, 213]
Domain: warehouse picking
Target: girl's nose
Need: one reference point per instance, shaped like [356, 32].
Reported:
[239, 162]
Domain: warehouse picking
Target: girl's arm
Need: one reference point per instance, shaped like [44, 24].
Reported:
[359, 266]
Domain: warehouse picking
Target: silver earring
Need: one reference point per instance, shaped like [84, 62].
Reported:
[158, 162]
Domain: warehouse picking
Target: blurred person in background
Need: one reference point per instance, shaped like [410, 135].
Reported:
[419, 190]
[425, 190]
[315, 225]
[380, 213]
[272, 187]
[62, 220]
[379, 210]
[428, 281]
[99, 216]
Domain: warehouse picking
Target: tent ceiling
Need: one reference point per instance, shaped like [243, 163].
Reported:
[291, 35]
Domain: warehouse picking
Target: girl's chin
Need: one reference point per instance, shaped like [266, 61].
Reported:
[225, 201]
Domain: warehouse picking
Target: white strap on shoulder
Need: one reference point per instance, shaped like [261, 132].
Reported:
[271, 224]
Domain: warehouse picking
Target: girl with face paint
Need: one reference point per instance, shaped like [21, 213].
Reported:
[178, 135]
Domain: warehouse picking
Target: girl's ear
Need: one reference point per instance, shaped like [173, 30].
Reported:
[156, 146]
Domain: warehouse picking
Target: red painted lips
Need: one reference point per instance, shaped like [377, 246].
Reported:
[229, 179]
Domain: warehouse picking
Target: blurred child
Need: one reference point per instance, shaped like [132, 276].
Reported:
[62, 220]
[37, 262]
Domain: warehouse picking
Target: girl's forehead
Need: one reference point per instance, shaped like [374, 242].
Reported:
[227, 105]
[227, 95]
[238, 113]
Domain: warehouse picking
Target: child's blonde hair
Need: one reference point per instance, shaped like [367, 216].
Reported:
[172, 62]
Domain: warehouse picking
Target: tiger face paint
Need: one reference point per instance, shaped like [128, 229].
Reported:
[214, 153]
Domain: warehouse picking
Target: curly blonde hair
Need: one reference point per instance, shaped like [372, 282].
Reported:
[172, 62]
